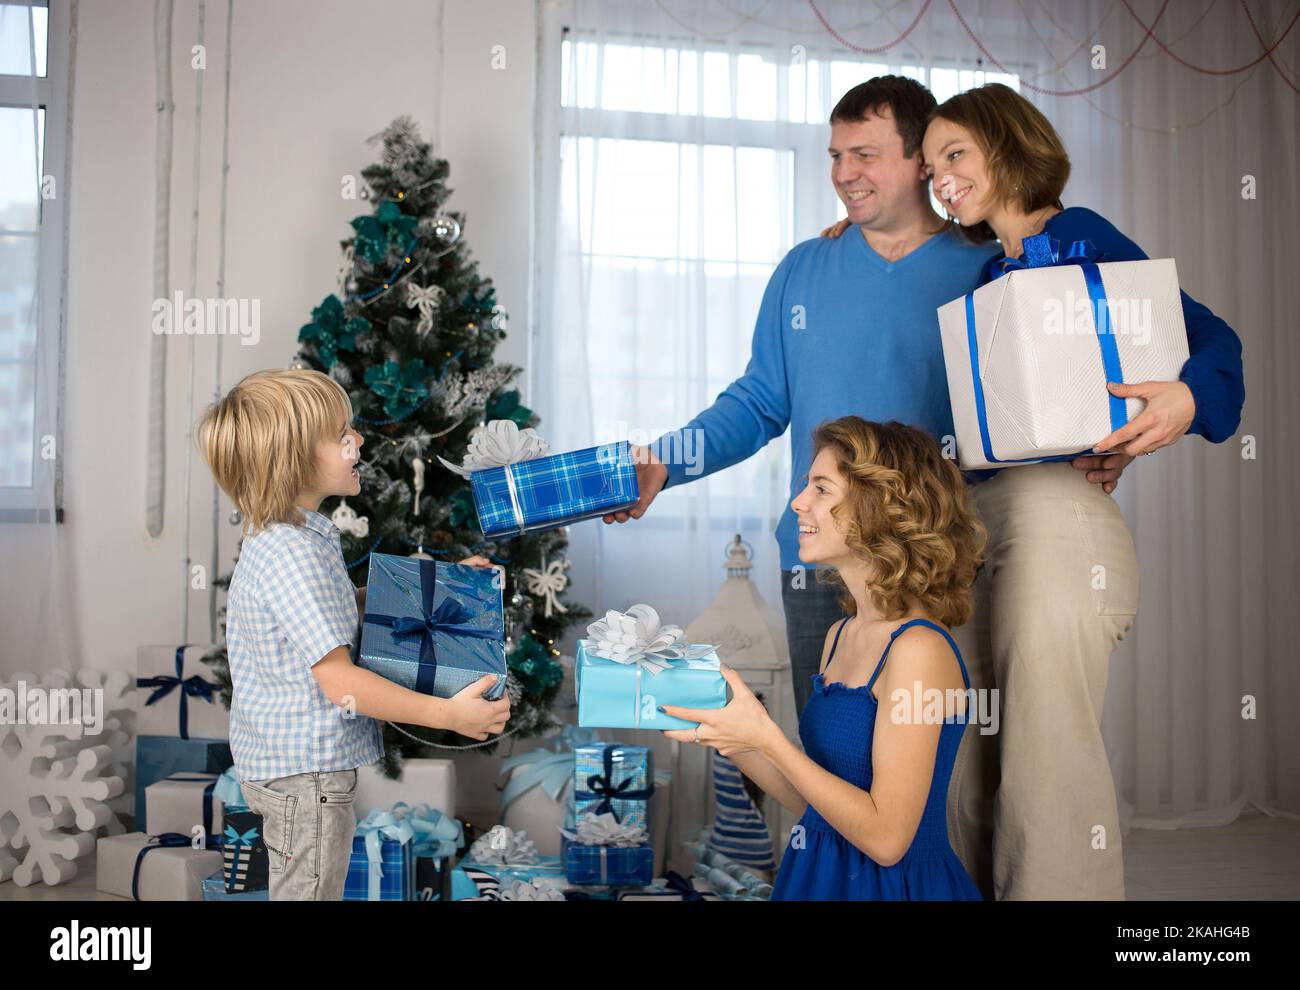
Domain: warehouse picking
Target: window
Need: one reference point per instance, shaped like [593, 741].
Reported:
[32, 105]
[686, 174]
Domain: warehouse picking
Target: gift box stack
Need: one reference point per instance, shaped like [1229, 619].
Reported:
[181, 724]
[612, 789]
[181, 750]
[1028, 355]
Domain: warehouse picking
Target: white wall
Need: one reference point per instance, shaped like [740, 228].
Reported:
[311, 80]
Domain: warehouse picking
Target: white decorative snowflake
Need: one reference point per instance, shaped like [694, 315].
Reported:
[55, 785]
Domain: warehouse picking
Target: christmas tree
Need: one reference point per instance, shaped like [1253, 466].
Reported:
[410, 335]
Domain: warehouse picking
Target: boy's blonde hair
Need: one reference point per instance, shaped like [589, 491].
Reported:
[260, 440]
[906, 513]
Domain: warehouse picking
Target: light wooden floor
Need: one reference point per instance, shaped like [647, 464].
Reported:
[1256, 858]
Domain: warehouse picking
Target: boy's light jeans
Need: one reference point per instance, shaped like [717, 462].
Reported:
[1031, 810]
[308, 821]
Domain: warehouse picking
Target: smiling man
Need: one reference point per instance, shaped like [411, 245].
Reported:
[847, 326]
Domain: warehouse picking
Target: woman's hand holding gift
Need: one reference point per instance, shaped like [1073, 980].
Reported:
[743, 725]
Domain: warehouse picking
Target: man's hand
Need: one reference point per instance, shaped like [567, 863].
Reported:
[651, 476]
[1103, 469]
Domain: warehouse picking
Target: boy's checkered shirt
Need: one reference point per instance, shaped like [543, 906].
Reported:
[290, 604]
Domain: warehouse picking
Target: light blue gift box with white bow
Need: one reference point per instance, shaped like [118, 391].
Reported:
[618, 695]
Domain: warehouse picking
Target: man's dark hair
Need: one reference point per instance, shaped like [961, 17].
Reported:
[910, 104]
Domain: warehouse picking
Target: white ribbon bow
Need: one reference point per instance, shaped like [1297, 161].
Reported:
[605, 830]
[427, 298]
[521, 890]
[549, 581]
[504, 846]
[635, 636]
[498, 443]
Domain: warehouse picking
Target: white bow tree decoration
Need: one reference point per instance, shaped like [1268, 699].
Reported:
[498, 443]
[548, 582]
[347, 520]
[427, 298]
[345, 271]
[417, 487]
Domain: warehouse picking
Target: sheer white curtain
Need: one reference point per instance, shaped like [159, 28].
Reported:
[35, 46]
[681, 152]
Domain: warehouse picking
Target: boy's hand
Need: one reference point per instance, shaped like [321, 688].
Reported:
[478, 560]
[472, 715]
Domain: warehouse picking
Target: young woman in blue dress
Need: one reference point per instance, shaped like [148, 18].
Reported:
[885, 515]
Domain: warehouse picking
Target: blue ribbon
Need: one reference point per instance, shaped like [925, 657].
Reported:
[193, 686]
[602, 786]
[166, 840]
[551, 768]
[233, 837]
[207, 796]
[679, 884]
[374, 829]
[451, 617]
[1042, 251]
[437, 836]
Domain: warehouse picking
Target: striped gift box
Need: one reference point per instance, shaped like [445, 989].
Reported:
[739, 830]
[547, 492]
[245, 865]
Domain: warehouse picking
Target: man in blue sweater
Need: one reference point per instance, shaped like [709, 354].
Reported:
[847, 326]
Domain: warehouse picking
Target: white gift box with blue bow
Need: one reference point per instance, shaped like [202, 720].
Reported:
[1029, 354]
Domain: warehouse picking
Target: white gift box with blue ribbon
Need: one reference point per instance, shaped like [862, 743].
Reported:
[1029, 354]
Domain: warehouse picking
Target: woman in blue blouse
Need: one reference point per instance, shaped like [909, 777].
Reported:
[1060, 587]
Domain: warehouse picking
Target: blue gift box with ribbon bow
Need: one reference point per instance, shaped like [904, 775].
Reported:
[382, 867]
[615, 778]
[1028, 355]
[627, 695]
[546, 492]
[433, 627]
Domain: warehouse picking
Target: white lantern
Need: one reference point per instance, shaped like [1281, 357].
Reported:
[750, 638]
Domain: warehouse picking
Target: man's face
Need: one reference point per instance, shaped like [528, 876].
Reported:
[872, 177]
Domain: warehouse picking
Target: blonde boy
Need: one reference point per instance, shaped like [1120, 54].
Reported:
[303, 716]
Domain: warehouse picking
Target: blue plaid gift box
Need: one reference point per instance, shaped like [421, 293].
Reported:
[433, 627]
[547, 492]
[612, 777]
[383, 860]
[608, 866]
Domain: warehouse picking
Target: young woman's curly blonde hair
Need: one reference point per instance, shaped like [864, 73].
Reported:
[906, 514]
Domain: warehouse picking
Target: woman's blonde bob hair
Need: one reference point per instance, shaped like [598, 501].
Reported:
[905, 513]
[260, 440]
